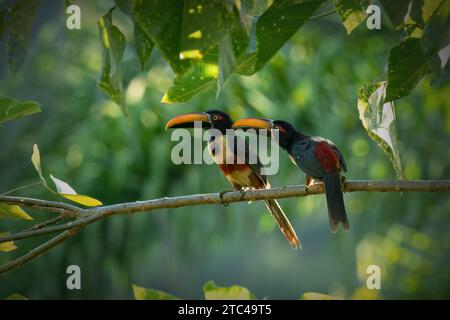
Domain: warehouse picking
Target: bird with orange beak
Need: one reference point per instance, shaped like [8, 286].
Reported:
[239, 171]
[319, 158]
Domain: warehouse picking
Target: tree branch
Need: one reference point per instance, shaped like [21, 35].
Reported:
[85, 217]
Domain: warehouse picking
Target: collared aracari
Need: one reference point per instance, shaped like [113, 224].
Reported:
[240, 172]
[318, 157]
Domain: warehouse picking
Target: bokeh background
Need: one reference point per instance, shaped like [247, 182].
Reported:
[85, 140]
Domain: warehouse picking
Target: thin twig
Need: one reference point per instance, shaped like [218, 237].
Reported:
[20, 188]
[49, 222]
[37, 252]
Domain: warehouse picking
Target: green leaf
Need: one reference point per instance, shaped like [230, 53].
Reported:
[276, 26]
[16, 296]
[352, 12]
[141, 293]
[113, 43]
[201, 76]
[13, 212]
[406, 66]
[436, 44]
[161, 20]
[318, 296]
[396, 11]
[143, 44]
[227, 61]
[378, 118]
[12, 109]
[8, 245]
[19, 21]
[213, 292]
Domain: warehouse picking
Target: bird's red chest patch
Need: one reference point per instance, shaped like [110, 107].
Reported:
[327, 157]
[229, 169]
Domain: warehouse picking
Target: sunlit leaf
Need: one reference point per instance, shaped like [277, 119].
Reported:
[378, 118]
[8, 245]
[82, 199]
[141, 293]
[12, 109]
[63, 189]
[19, 20]
[352, 12]
[318, 296]
[13, 212]
[213, 292]
[16, 296]
[113, 43]
[406, 66]
[36, 160]
[201, 76]
[276, 26]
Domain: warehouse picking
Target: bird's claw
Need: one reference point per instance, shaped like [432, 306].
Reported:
[221, 194]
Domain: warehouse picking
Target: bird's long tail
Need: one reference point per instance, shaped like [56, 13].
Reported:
[283, 223]
[335, 201]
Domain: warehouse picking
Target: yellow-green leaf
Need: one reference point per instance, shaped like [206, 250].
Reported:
[141, 293]
[13, 109]
[8, 245]
[12, 211]
[352, 12]
[36, 160]
[16, 296]
[213, 292]
[82, 199]
[318, 296]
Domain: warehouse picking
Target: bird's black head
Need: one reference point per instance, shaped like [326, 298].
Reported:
[287, 133]
[220, 120]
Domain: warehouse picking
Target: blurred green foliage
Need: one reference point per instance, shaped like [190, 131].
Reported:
[312, 82]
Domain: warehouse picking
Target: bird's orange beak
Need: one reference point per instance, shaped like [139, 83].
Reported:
[257, 123]
[187, 120]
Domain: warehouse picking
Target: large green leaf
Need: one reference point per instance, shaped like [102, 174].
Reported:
[378, 118]
[436, 42]
[13, 212]
[352, 12]
[213, 292]
[396, 10]
[144, 45]
[276, 26]
[16, 296]
[11, 109]
[201, 76]
[113, 43]
[19, 20]
[141, 293]
[406, 66]
[142, 42]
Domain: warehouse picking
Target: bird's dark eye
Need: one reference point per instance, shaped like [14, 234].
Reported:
[215, 118]
[277, 128]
